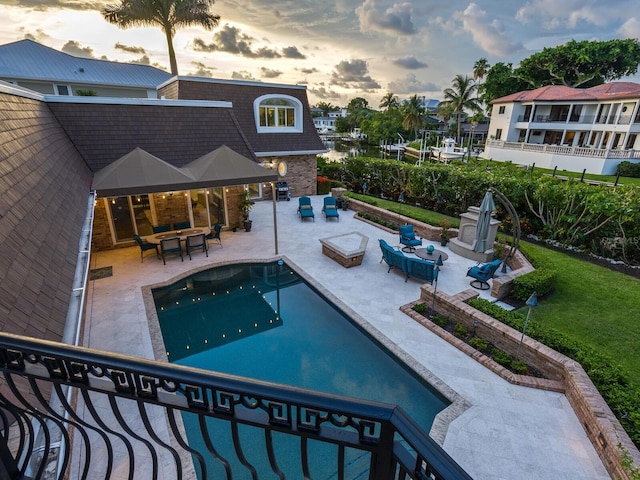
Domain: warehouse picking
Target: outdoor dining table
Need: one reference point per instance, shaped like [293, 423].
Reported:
[182, 234]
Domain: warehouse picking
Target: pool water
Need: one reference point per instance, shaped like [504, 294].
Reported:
[263, 321]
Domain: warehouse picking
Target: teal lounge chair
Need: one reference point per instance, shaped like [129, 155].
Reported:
[330, 209]
[305, 210]
[482, 273]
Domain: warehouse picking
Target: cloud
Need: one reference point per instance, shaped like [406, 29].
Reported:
[410, 84]
[393, 21]
[130, 48]
[231, 40]
[39, 36]
[74, 48]
[292, 52]
[268, 73]
[308, 71]
[410, 63]
[488, 34]
[630, 28]
[353, 74]
[569, 14]
[143, 60]
[324, 94]
[43, 5]
[202, 70]
[242, 75]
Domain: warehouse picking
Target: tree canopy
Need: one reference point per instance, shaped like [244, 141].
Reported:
[460, 97]
[581, 64]
[166, 14]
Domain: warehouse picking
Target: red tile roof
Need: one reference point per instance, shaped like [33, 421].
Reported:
[560, 93]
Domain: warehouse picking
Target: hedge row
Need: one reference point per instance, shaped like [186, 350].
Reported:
[610, 380]
[629, 169]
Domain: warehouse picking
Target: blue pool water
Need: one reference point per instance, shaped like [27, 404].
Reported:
[263, 321]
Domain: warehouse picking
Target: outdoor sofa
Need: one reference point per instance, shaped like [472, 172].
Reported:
[410, 266]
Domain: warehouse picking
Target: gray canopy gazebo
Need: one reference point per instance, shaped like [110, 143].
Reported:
[140, 172]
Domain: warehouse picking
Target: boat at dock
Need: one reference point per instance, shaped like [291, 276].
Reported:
[448, 150]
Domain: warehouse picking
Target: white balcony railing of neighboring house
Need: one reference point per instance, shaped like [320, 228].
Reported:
[584, 120]
[565, 150]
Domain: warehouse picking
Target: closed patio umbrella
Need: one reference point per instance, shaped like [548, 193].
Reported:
[484, 222]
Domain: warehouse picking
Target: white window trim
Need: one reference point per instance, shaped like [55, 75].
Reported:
[297, 104]
[55, 89]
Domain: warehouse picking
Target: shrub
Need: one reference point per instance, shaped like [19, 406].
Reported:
[518, 366]
[420, 308]
[440, 320]
[501, 357]
[479, 344]
[629, 169]
[324, 185]
[460, 330]
[542, 281]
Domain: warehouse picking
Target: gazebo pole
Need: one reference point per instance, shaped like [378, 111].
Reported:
[275, 216]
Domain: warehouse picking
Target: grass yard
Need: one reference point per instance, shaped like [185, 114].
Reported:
[594, 305]
[592, 176]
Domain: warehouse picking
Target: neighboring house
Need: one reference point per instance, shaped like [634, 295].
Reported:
[325, 124]
[592, 129]
[34, 66]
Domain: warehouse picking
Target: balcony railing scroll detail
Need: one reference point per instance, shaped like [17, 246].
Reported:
[129, 417]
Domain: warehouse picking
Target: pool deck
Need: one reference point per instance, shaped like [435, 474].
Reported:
[508, 432]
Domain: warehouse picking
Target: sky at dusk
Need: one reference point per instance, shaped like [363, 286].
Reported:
[339, 49]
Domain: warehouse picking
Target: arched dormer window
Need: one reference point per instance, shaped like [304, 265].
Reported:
[278, 114]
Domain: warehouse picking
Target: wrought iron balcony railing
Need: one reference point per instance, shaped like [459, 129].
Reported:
[74, 412]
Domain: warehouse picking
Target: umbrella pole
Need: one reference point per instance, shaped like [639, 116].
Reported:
[275, 216]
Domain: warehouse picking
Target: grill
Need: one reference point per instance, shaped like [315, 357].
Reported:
[282, 191]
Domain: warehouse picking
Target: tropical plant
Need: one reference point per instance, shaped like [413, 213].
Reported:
[389, 101]
[413, 114]
[245, 205]
[480, 69]
[461, 97]
[166, 14]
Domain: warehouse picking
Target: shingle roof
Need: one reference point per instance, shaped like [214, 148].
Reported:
[103, 133]
[27, 59]
[560, 93]
[44, 186]
[242, 95]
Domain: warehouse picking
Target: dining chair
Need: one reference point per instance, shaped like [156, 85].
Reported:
[215, 234]
[161, 228]
[195, 242]
[145, 246]
[170, 246]
[182, 225]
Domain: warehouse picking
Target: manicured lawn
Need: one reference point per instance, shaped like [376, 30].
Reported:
[594, 305]
[591, 176]
[417, 213]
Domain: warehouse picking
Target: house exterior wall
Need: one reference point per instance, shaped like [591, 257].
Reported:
[574, 131]
[47, 88]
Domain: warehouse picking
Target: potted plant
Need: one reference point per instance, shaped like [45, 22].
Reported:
[245, 208]
[344, 202]
[445, 225]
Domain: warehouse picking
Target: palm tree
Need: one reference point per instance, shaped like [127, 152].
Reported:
[461, 97]
[389, 101]
[166, 14]
[480, 69]
[413, 114]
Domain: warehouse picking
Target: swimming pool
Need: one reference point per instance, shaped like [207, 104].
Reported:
[263, 321]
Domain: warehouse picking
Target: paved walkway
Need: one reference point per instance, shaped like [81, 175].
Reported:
[509, 432]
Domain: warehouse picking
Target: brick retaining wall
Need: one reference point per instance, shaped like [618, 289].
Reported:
[564, 374]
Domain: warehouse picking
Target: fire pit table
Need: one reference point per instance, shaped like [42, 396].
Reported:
[347, 249]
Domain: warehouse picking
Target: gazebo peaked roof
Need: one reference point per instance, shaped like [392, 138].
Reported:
[224, 166]
[139, 172]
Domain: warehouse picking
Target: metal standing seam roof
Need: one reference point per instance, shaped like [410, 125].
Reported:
[29, 60]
